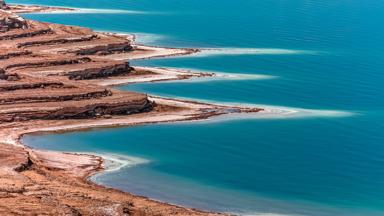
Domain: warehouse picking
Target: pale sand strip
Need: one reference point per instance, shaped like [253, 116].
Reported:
[155, 75]
[149, 52]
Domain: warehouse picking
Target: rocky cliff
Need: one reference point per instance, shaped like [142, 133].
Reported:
[3, 5]
[10, 21]
[41, 65]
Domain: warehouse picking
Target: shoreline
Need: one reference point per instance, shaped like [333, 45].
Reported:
[73, 91]
[24, 8]
[99, 162]
[86, 67]
[46, 91]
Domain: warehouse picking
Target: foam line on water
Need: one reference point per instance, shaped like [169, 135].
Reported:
[283, 112]
[251, 51]
[274, 112]
[77, 10]
[294, 112]
[116, 162]
[139, 37]
[242, 76]
[145, 38]
[217, 76]
[265, 214]
[94, 11]
[102, 11]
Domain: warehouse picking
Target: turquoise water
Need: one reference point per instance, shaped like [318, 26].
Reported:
[320, 55]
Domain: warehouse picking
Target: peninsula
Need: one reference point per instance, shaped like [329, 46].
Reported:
[56, 78]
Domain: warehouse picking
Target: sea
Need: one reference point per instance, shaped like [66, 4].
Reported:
[321, 59]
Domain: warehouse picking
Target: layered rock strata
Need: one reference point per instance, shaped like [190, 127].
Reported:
[3, 5]
[52, 78]
[9, 21]
[39, 66]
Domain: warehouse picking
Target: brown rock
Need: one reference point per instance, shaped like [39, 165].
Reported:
[10, 21]
[3, 5]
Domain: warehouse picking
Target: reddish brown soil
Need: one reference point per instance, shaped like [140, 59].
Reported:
[47, 83]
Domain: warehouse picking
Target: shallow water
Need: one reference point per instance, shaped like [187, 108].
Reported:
[322, 55]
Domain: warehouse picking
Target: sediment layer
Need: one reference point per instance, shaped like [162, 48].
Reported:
[58, 54]
[57, 78]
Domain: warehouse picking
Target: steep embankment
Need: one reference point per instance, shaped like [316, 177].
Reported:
[34, 55]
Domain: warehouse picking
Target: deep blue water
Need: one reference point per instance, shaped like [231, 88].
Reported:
[319, 165]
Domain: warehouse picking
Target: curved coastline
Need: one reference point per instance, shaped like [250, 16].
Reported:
[175, 110]
[71, 172]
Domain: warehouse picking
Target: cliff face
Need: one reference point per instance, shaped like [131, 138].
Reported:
[41, 65]
[3, 5]
[47, 83]
[10, 21]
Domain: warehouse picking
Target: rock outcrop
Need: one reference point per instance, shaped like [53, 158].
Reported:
[3, 76]
[3, 5]
[41, 63]
[10, 21]
[48, 83]
[8, 77]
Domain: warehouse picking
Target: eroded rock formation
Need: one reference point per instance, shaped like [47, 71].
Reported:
[10, 21]
[39, 66]
[3, 5]
[48, 78]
